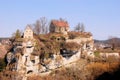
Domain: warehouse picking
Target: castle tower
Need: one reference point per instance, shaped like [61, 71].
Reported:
[28, 33]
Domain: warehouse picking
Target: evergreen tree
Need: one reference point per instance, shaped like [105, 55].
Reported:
[17, 34]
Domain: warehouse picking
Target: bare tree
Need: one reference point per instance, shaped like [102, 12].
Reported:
[82, 27]
[61, 19]
[37, 27]
[41, 26]
[112, 42]
[79, 27]
[44, 25]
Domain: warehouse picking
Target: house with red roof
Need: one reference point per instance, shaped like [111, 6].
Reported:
[59, 26]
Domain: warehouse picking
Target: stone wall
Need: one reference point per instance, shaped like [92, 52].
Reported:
[58, 29]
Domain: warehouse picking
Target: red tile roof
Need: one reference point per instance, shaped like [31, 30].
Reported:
[59, 23]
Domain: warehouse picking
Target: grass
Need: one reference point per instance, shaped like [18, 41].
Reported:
[96, 53]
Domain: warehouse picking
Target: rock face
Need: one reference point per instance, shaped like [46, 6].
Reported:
[3, 50]
[25, 62]
[73, 58]
[87, 48]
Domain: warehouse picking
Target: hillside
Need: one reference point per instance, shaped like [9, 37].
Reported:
[59, 54]
[107, 41]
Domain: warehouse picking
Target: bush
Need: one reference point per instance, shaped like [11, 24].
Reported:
[71, 46]
[73, 35]
[2, 64]
[96, 53]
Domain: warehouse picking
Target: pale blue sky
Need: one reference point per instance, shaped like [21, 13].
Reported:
[101, 17]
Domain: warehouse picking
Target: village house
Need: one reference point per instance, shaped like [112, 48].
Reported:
[28, 33]
[59, 26]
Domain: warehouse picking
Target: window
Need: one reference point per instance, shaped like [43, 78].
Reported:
[33, 61]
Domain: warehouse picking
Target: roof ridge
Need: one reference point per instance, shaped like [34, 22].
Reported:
[60, 23]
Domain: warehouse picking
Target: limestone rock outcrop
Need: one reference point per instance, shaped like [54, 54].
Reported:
[26, 57]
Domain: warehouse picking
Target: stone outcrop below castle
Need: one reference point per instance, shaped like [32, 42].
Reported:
[26, 62]
[26, 57]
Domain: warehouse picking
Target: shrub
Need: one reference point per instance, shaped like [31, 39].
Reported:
[73, 35]
[2, 64]
[71, 46]
[96, 53]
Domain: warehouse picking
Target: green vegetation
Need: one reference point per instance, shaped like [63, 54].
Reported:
[2, 64]
[96, 53]
[17, 34]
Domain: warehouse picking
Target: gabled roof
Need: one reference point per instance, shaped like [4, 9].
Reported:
[28, 27]
[59, 23]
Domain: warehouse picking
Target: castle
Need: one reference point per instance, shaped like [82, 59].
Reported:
[59, 26]
[27, 62]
